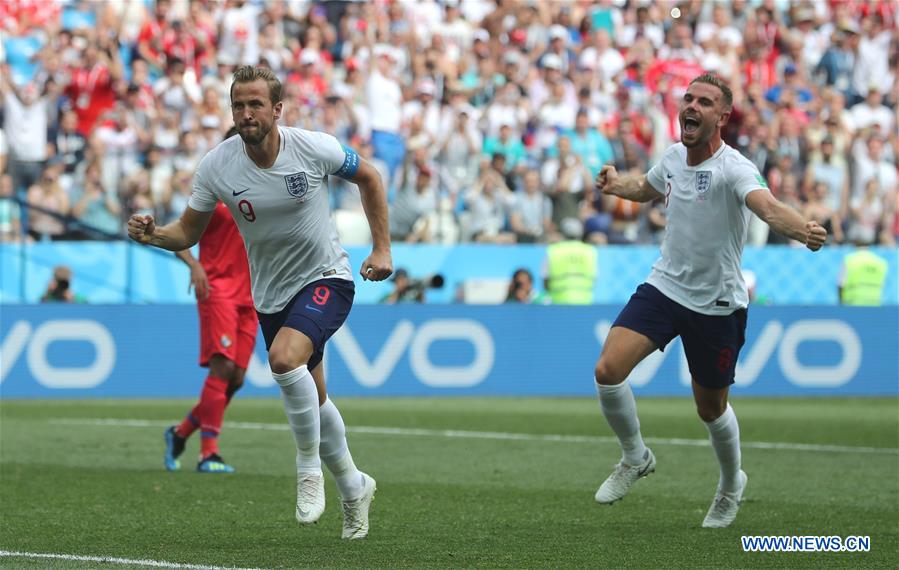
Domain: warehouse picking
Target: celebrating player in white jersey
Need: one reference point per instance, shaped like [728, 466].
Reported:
[274, 181]
[695, 290]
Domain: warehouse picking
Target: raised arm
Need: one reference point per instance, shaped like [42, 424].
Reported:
[379, 265]
[179, 235]
[785, 220]
[630, 187]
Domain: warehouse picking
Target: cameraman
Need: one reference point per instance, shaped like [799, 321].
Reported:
[408, 290]
[59, 290]
[404, 289]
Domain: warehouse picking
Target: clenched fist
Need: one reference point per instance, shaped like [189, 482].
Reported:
[606, 178]
[141, 228]
[815, 236]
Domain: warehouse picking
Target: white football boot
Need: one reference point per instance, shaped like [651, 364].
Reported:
[310, 497]
[725, 506]
[619, 482]
[355, 512]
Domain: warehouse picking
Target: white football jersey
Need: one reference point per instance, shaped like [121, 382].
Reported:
[707, 219]
[283, 212]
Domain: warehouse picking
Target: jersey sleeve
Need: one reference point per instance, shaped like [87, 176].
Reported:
[338, 160]
[656, 175]
[202, 198]
[745, 178]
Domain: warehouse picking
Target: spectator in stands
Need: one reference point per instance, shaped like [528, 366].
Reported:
[68, 144]
[384, 99]
[601, 57]
[10, 212]
[866, 215]
[92, 88]
[872, 113]
[239, 33]
[150, 41]
[59, 290]
[96, 207]
[177, 94]
[871, 164]
[459, 153]
[840, 58]
[529, 66]
[588, 143]
[121, 145]
[486, 204]
[566, 180]
[46, 219]
[828, 168]
[872, 65]
[414, 206]
[25, 113]
[175, 200]
[508, 145]
[819, 208]
[530, 211]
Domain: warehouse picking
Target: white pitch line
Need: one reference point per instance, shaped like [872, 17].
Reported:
[507, 436]
[114, 560]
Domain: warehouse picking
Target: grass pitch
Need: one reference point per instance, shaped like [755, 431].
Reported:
[511, 495]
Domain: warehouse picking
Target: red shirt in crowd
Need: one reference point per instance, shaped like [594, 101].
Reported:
[92, 94]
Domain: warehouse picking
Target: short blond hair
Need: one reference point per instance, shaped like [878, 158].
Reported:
[249, 74]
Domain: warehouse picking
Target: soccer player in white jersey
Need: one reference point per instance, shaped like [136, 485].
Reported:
[695, 290]
[274, 181]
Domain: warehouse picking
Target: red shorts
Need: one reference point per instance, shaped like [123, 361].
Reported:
[227, 329]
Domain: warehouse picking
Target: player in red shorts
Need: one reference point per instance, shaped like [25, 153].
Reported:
[228, 325]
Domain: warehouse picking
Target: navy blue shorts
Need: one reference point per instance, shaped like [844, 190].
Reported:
[712, 343]
[317, 311]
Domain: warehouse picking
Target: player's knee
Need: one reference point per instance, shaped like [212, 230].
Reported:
[608, 374]
[283, 361]
[235, 384]
[223, 368]
[711, 410]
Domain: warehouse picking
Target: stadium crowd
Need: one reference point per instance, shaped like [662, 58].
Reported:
[488, 120]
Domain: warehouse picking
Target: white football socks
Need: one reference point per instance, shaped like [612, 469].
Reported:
[336, 454]
[620, 410]
[724, 434]
[301, 406]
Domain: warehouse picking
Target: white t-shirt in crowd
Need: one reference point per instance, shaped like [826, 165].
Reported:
[385, 100]
[706, 230]
[282, 212]
[26, 128]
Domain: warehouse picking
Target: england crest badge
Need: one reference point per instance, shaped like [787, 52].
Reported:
[703, 183]
[297, 185]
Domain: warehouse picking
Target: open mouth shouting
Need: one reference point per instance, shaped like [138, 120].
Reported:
[691, 125]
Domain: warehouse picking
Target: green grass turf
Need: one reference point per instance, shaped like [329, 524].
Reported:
[446, 502]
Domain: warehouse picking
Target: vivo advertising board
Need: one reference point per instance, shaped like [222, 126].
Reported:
[71, 351]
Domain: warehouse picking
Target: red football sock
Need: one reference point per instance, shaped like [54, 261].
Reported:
[189, 424]
[211, 408]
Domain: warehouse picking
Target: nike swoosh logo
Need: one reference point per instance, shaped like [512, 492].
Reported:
[668, 175]
[311, 308]
[233, 193]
